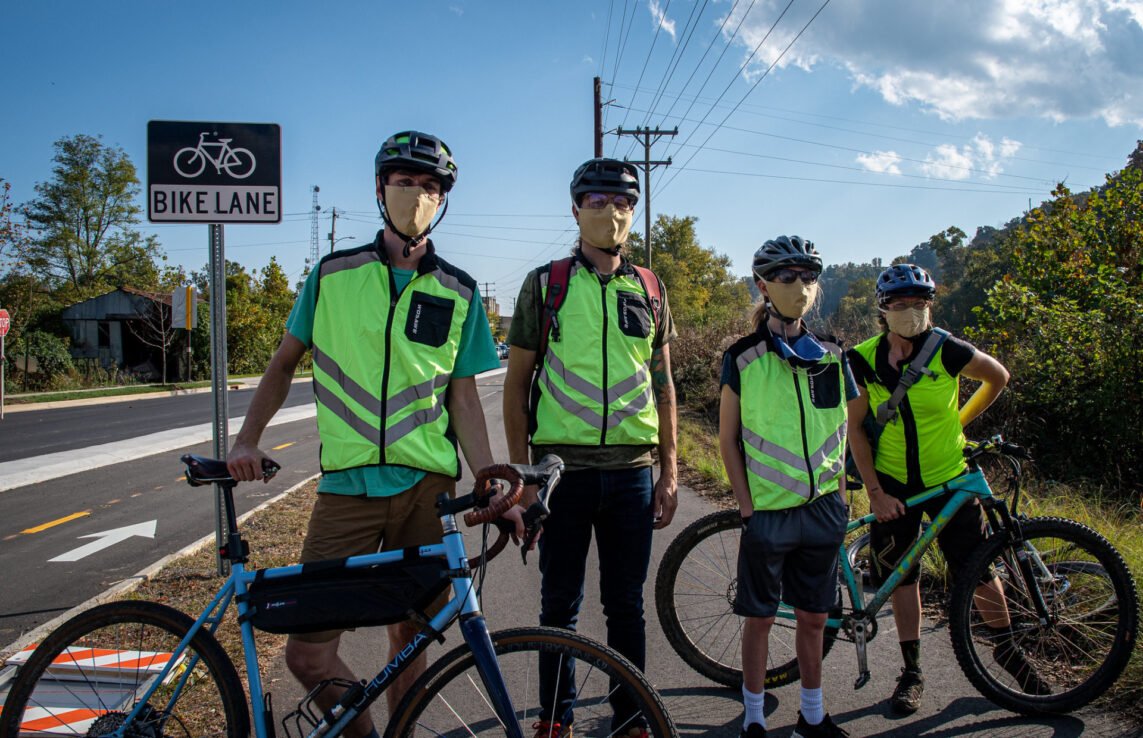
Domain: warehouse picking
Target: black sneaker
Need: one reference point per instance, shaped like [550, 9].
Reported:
[824, 729]
[907, 695]
[1012, 658]
[754, 730]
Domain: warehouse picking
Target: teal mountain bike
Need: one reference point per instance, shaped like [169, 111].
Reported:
[144, 670]
[1071, 600]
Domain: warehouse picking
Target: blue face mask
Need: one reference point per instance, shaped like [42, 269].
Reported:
[806, 350]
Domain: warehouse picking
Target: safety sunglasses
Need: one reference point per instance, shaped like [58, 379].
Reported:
[600, 200]
[787, 276]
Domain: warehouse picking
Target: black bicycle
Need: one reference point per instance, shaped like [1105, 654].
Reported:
[1070, 597]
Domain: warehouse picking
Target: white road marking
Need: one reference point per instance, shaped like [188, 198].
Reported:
[109, 538]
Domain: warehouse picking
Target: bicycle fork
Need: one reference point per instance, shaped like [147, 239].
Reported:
[475, 631]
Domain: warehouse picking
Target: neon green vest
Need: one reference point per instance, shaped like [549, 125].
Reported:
[594, 388]
[382, 362]
[793, 425]
[927, 424]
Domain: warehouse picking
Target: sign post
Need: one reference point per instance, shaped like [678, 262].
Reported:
[5, 323]
[215, 173]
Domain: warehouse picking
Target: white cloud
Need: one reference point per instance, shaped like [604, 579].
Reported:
[458, 10]
[660, 17]
[981, 157]
[882, 162]
[965, 59]
[587, 60]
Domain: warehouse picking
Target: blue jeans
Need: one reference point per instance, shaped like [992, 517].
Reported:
[617, 505]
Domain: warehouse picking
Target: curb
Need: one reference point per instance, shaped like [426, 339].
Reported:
[30, 406]
[130, 583]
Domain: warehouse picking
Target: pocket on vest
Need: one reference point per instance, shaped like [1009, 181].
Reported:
[634, 314]
[429, 320]
[825, 388]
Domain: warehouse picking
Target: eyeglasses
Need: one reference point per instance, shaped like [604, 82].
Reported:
[787, 276]
[896, 304]
[600, 200]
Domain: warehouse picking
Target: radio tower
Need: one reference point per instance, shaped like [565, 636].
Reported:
[313, 260]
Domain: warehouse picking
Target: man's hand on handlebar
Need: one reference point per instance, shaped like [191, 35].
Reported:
[245, 463]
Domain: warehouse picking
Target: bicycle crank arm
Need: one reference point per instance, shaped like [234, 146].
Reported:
[862, 656]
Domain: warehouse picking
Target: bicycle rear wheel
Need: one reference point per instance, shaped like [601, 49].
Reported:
[88, 675]
[694, 598]
[1093, 616]
[449, 699]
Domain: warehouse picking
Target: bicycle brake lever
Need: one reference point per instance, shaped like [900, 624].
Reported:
[533, 518]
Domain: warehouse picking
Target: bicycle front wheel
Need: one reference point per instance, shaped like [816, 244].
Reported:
[1093, 613]
[88, 675]
[694, 598]
[450, 699]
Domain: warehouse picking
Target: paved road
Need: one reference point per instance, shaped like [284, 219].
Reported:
[699, 707]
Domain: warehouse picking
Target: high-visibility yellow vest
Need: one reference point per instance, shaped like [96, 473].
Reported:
[927, 423]
[793, 424]
[382, 361]
[594, 384]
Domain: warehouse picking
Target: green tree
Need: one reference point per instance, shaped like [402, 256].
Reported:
[83, 239]
[1068, 322]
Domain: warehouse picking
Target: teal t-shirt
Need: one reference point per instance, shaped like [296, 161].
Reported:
[476, 354]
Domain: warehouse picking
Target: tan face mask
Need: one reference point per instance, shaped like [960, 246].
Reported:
[605, 228]
[792, 300]
[411, 209]
[909, 322]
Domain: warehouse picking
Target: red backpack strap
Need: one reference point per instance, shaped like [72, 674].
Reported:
[654, 290]
[559, 274]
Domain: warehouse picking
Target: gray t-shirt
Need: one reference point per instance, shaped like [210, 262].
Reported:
[525, 333]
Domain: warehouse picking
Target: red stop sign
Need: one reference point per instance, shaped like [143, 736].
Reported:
[5, 321]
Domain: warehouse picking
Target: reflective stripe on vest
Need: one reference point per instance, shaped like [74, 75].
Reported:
[928, 416]
[385, 364]
[793, 450]
[595, 382]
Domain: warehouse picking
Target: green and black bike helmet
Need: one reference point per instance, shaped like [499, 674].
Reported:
[605, 175]
[418, 152]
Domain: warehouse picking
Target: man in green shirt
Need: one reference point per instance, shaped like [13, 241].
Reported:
[398, 335]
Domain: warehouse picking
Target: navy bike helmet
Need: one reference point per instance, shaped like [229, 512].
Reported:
[785, 251]
[605, 175]
[905, 280]
[418, 152]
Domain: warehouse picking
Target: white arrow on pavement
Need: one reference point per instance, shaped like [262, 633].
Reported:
[109, 538]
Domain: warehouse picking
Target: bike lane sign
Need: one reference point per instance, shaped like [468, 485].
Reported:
[209, 172]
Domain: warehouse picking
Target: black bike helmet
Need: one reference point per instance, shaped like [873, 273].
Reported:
[905, 279]
[419, 152]
[785, 251]
[605, 175]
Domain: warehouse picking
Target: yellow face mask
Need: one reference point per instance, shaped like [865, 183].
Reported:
[606, 227]
[792, 300]
[410, 209]
[909, 322]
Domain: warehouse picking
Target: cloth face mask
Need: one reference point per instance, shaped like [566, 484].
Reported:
[410, 209]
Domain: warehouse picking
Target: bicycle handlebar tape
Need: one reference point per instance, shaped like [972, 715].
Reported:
[482, 488]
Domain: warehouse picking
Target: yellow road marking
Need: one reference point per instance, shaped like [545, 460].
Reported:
[284, 445]
[54, 523]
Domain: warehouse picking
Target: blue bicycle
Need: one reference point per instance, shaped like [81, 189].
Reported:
[142, 669]
[1068, 593]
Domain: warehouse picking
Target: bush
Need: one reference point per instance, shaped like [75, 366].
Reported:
[696, 362]
[52, 357]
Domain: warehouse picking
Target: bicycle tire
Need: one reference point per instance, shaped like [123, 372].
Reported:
[1094, 613]
[235, 162]
[449, 699]
[695, 588]
[194, 154]
[98, 688]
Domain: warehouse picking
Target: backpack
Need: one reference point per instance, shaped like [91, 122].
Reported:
[559, 274]
[886, 412]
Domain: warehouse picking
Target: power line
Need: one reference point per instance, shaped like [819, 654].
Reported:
[606, 38]
[650, 51]
[648, 166]
[677, 57]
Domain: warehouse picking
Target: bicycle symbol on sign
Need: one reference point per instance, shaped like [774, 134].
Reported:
[191, 161]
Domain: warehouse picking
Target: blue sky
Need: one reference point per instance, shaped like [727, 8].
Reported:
[881, 124]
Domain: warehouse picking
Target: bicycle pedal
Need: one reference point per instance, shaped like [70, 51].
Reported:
[861, 681]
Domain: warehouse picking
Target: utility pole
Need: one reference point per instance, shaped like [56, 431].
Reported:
[649, 136]
[332, 228]
[598, 119]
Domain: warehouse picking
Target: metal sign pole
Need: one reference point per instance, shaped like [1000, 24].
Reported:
[3, 361]
[218, 376]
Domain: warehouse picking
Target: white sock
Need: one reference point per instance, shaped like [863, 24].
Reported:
[753, 704]
[812, 705]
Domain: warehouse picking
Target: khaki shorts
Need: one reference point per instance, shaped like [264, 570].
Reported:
[351, 525]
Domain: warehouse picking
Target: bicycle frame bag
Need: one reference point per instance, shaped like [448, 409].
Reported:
[328, 596]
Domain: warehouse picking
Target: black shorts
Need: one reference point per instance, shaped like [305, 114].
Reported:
[890, 541]
[791, 556]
